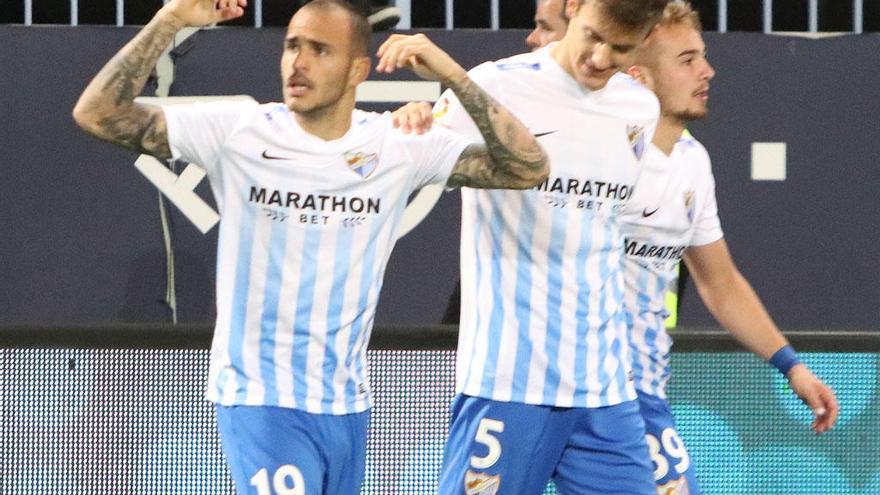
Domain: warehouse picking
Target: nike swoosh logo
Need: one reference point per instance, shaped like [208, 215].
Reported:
[542, 134]
[646, 213]
[267, 156]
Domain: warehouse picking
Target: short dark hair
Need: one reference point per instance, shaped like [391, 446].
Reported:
[360, 26]
[634, 15]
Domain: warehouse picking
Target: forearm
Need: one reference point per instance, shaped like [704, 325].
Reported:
[106, 108]
[738, 309]
[512, 149]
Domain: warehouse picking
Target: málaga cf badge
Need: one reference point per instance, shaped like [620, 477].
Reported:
[636, 136]
[361, 163]
[689, 205]
[481, 483]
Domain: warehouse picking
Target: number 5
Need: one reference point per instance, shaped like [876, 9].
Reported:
[484, 436]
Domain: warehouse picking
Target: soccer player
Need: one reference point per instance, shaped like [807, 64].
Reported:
[310, 193]
[542, 385]
[550, 23]
[673, 215]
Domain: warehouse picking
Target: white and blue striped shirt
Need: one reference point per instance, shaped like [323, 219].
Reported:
[674, 207]
[306, 229]
[542, 288]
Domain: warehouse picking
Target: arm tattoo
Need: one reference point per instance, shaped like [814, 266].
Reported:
[511, 157]
[107, 108]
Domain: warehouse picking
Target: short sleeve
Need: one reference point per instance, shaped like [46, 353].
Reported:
[434, 154]
[708, 224]
[197, 131]
[449, 113]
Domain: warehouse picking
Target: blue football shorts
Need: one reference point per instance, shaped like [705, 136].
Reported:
[280, 451]
[513, 448]
[673, 470]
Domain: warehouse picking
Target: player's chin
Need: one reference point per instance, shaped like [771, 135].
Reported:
[692, 114]
[297, 105]
[595, 81]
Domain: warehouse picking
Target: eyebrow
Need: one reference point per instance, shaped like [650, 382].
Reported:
[311, 42]
[591, 32]
[691, 52]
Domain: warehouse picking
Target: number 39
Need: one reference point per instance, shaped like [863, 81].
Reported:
[673, 446]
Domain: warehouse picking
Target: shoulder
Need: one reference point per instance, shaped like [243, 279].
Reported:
[694, 153]
[507, 67]
[628, 99]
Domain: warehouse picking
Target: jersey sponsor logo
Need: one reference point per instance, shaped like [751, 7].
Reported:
[481, 483]
[361, 163]
[654, 252]
[600, 196]
[269, 156]
[636, 136]
[586, 187]
[689, 205]
[518, 65]
[646, 213]
[315, 202]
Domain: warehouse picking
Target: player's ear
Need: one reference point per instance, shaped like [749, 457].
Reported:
[359, 70]
[641, 75]
[572, 6]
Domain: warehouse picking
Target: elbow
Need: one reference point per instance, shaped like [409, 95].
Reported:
[84, 118]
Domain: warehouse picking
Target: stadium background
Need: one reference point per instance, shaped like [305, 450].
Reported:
[82, 244]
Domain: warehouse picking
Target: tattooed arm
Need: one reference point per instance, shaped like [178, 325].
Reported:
[107, 109]
[511, 157]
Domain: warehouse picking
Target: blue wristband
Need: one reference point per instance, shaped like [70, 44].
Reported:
[784, 359]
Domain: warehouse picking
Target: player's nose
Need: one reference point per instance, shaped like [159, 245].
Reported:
[533, 40]
[601, 58]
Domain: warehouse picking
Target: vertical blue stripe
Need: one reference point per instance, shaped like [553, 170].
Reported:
[523, 302]
[619, 320]
[606, 271]
[643, 299]
[653, 331]
[269, 320]
[554, 304]
[303, 319]
[239, 302]
[334, 314]
[496, 316]
[358, 326]
[581, 358]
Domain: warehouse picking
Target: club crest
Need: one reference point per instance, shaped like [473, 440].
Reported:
[481, 483]
[689, 205]
[675, 487]
[636, 136]
[361, 163]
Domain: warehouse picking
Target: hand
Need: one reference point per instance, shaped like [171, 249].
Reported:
[421, 55]
[196, 13]
[413, 116]
[815, 394]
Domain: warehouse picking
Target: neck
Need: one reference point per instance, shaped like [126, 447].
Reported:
[668, 132]
[560, 55]
[330, 122]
